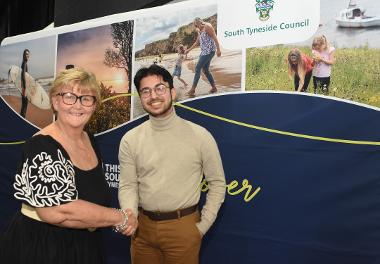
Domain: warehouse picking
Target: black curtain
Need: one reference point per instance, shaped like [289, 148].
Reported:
[73, 11]
[23, 16]
[20, 16]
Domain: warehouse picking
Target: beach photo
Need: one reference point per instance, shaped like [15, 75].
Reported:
[186, 44]
[26, 74]
[342, 59]
[105, 51]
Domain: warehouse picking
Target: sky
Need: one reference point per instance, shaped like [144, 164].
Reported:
[42, 57]
[86, 48]
[157, 27]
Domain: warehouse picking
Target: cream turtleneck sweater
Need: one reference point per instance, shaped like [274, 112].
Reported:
[162, 162]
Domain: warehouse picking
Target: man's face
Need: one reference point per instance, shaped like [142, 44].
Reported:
[156, 96]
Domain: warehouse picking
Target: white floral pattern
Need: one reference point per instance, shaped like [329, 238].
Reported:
[44, 182]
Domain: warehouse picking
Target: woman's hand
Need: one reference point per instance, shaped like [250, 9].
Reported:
[218, 53]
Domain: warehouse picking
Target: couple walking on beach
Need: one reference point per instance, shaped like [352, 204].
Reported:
[209, 45]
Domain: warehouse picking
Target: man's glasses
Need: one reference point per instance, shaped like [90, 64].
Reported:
[85, 100]
[159, 89]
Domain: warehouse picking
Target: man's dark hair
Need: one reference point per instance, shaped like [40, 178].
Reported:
[153, 70]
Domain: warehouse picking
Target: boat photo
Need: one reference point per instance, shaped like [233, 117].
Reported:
[354, 17]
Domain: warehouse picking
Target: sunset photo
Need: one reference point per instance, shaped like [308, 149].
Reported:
[105, 51]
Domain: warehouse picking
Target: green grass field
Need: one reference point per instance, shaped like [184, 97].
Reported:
[355, 75]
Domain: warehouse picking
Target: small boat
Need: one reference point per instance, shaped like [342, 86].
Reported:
[353, 17]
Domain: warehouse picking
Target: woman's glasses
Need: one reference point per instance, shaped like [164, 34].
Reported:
[71, 98]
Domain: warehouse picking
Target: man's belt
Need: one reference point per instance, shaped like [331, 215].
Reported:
[160, 216]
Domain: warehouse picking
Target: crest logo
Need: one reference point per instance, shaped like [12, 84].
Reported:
[263, 7]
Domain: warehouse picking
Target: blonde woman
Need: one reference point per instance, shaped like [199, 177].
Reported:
[61, 185]
[300, 68]
[209, 44]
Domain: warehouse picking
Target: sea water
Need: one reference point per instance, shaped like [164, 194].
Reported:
[347, 37]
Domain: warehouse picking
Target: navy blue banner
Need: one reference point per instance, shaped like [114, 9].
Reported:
[303, 182]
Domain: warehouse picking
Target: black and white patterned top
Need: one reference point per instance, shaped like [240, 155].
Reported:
[47, 177]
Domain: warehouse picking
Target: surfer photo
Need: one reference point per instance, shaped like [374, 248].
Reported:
[24, 94]
[24, 69]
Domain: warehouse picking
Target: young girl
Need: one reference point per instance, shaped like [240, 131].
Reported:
[300, 66]
[178, 63]
[323, 56]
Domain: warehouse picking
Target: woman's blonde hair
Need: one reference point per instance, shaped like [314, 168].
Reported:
[76, 77]
[197, 21]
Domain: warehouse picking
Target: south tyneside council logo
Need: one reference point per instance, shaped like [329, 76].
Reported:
[263, 7]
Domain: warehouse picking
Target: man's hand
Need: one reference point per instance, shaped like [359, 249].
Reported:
[132, 223]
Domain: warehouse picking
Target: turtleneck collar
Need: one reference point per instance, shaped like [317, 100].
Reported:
[163, 123]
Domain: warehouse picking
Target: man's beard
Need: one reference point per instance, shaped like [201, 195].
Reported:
[163, 112]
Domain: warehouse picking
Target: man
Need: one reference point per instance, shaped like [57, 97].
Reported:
[162, 162]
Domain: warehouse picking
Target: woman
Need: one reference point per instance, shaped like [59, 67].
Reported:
[209, 44]
[300, 66]
[61, 185]
[24, 69]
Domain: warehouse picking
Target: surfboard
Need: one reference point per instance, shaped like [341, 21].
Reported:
[34, 91]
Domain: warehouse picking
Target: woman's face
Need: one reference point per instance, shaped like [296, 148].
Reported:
[293, 59]
[73, 106]
[27, 55]
[198, 24]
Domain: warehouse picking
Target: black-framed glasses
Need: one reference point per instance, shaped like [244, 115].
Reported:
[71, 98]
[159, 89]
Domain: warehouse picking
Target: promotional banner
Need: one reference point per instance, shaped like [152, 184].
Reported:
[266, 22]
[295, 114]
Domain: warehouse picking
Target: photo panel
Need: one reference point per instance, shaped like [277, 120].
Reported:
[105, 51]
[164, 38]
[341, 60]
[26, 74]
